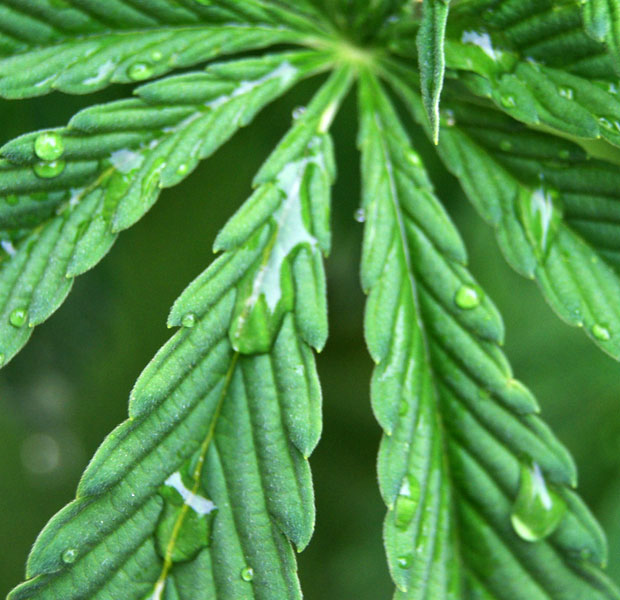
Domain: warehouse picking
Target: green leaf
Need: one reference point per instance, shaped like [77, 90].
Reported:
[80, 48]
[477, 487]
[431, 59]
[552, 206]
[602, 22]
[115, 160]
[202, 491]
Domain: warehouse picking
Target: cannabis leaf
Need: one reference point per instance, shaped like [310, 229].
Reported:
[203, 485]
[431, 57]
[82, 47]
[463, 449]
[61, 216]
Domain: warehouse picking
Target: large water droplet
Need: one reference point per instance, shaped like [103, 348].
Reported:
[601, 333]
[538, 509]
[18, 317]
[139, 71]
[540, 214]
[69, 556]
[48, 170]
[467, 297]
[247, 574]
[404, 510]
[189, 320]
[49, 146]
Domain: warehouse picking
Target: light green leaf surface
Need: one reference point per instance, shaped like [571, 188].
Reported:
[465, 462]
[431, 59]
[202, 491]
[115, 160]
[84, 46]
[602, 22]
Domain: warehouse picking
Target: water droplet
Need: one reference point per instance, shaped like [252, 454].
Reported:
[505, 145]
[139, 71]
[156, 55]
[12, 199]
[606, 123]
[566, 92]
[540, 215]
[467, 297]
[247, 574]
[404, 509]
[404, 561]
[69, 556]
[182, 169]
[299, 112]
[49, 146]
[18, 317]
[508, 101]
[189, 320]
[449, 118]
[360, 215]
[601, 333]
[414, 158]
[538, 509]
[48, 170]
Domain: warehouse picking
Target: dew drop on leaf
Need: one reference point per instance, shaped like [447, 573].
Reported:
[601, 333]
[69, 556]
[49, 146]
[404, 509]
[467, 297]
[156, 55]
[540, 214]
[404, 561]
[18, 317]
[247, 574]
[360, 215]
[139, 71]
[298, 112]
[49, 170]
[189, 320]
[182, 169]
[566, 92]
[538, 509]
[508, 101]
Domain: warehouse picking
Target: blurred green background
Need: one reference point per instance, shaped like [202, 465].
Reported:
[69, 387]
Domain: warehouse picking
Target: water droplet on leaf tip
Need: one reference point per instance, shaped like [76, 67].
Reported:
[247, 574]
[139, 71]
[48, 170]
[601, 333]
[49, 146]
[467, 297]
[360, 215]
[538, 509]
[18, 317]
[189, 320]
[69, 556]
